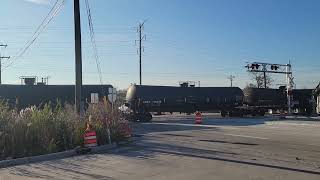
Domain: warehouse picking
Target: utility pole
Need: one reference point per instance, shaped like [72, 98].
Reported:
[78, 56]
[231, 78]
[141, 48]
[2, 57]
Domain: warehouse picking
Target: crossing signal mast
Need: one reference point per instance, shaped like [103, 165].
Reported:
[275, 68]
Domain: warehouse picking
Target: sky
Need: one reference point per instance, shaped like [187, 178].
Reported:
[187, 40]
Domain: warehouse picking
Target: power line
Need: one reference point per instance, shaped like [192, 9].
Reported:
[93, 40]
[48, 18]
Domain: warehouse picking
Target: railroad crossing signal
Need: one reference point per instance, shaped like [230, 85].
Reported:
[268, 68]
[275, 68]
[253, 66]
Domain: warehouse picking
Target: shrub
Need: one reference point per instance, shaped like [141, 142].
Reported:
[35, 131]
[104, 117]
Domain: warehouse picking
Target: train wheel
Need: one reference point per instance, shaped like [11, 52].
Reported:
[139, 118]
[223, 113]
[262, 113]
[148, 117]
[132, 117]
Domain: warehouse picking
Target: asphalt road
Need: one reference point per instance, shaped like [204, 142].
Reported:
[173, 147]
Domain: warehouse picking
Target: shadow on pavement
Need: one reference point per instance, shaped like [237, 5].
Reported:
[168, 125]
[219, 121]
[60, 169]
[227, 142]
[147, 150]
[145, 128]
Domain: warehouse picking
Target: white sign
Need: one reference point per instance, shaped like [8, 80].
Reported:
[94, 98]
[112, 96]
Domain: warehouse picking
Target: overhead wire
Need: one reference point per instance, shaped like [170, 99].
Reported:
[54, 11]
[93, 40]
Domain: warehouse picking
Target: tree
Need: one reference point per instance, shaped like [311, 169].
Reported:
[258, 80]
[250, 85]
[121, 96]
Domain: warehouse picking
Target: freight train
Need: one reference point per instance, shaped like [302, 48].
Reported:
[21, 96]
[142, 100]
[145, 99]
[232, 101]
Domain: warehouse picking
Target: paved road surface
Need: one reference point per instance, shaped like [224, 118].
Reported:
[172, 147]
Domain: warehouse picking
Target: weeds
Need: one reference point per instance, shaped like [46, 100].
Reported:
[34, 131]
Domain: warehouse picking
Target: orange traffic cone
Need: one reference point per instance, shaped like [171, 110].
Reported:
[125, 129]
[90, 136]
[198, 118]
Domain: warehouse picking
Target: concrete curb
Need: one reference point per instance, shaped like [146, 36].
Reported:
[53, 156]
[102, 149]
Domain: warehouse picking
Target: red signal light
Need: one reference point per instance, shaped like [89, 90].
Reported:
[274, 67]
[253, 66]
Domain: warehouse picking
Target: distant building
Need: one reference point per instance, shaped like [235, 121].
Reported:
[316, 93]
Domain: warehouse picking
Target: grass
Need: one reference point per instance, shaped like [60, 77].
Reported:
[35, 131]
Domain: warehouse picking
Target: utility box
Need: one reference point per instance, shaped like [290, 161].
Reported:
[29, 81]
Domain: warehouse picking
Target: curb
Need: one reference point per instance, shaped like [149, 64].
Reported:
[102, 149]
[53, 156]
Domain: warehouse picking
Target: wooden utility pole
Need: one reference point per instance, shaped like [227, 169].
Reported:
[78, 55]
[2, 57]
[231, 78]
[140, 48]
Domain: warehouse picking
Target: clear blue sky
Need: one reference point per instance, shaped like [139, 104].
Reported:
[200, 40]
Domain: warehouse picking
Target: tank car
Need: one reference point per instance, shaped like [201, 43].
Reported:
[303, 102]
[143, 99]
[22, 96]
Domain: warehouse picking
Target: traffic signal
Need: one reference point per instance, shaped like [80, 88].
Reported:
[274, 67]
[255, 66]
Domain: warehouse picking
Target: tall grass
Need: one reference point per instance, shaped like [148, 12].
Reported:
[34, 131]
